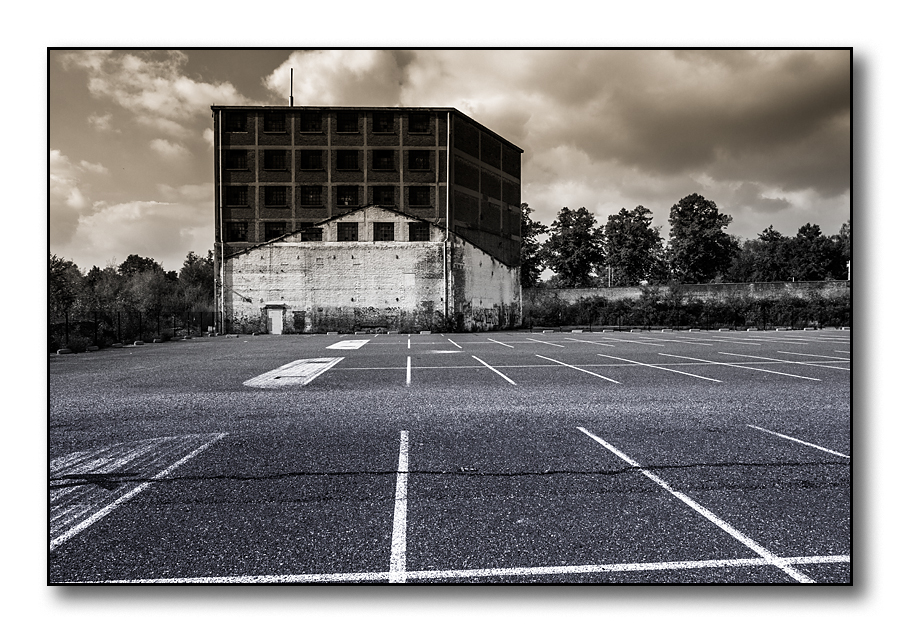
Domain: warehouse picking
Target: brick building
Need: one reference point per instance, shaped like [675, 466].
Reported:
[338, 218]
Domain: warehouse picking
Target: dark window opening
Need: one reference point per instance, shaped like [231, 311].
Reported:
[311, 121]
[383, 231]
[420, 196]
[383, 159]
[348, 232]
[275, 229]
[310, 233]
[419, 159]
[275, 122]
[419, 123]
[235, 122]
[235, 231]
[347, 122]
[311, 159]
[383, 122]
[347, 196]
[347, 159]
[275, 159]
[236, 196]
[276, 196]
[419, 232]
[311, 196]
[236, 159]
[383, 195]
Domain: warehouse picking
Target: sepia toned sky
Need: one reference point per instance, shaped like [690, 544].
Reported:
[765, 134]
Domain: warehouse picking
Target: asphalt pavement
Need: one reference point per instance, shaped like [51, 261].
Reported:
[497, 457]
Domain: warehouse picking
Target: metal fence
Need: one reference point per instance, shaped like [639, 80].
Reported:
[98, 328]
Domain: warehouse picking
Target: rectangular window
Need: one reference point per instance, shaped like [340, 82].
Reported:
[311, 159]
[276, 196]
[347, 196]
[383, 195]
[420, 196]
[419, 159]
[419, 232]
[383, 159]
[383, 231]
[311, 196]
[419, 123]
[235, 122]
[348, 231]
[310, 233]
[275, 122]
[310, 121]
[383, 122]
[275, 229]
[236, 196]
[275, 159]
[347, 123]
[235, 231]
[347, 159]
[235, 159]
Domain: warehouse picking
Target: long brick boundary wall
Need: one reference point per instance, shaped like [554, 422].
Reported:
[704, 292]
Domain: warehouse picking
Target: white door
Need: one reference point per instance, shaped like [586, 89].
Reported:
[276, 320]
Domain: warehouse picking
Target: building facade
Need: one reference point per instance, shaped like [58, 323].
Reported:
[417, 208]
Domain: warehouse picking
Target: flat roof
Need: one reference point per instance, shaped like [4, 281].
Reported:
[453, 111]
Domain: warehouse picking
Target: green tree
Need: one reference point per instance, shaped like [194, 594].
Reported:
[134, 264]
[699, 248]
[574, 250]
[195, 281]
[814, 256]
[65, 282]
[103, 289]
[634, 249]
[531, 256]
[765, 258]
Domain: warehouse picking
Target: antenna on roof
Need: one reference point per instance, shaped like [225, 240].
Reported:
[292, 87]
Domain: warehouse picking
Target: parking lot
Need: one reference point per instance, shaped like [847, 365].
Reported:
[507, 457]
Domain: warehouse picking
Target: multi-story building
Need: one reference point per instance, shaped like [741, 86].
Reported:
[341, 218]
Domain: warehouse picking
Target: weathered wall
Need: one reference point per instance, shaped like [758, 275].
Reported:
[704, 292]
[486, 293]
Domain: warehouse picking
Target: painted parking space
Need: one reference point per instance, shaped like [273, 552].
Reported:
[500, 484]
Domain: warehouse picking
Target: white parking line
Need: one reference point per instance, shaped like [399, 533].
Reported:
[792, 362]
[768, 371]
[622, 340]
[579, 369]
[733, 340]
[634, 362]
[349, 344]
[498, 342]
[794, 439]
[678, 340]
[555, 570]
[546, 342]
[408, 369]
[299, 372]
[398, 537]
[455, 343]
[843, 360]
[740, 536]
[591, 342]
[504, 376]
[62, 538]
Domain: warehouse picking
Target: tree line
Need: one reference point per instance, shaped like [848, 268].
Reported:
[138, 284]
[629, 251]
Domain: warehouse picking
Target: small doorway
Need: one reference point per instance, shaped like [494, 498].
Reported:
[275, 319]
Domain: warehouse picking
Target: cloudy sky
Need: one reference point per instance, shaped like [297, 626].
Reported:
[765, 134]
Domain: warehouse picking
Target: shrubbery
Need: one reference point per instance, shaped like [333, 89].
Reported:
[654, 309]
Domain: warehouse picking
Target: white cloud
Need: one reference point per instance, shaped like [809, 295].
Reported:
[102, 122]
[340, 77]
[169, 149]
[96, 168]
[209, 136]
[152, 85]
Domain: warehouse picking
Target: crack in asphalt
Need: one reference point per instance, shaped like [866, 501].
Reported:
[73, 480]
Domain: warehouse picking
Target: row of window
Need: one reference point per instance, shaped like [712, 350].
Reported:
[311, 121]
[314, 195]
[346, 159]
[346, 231]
